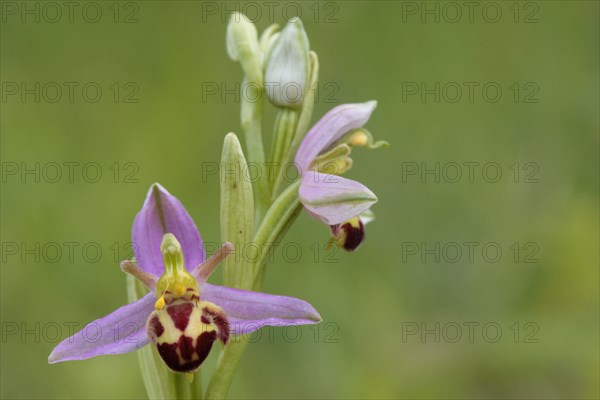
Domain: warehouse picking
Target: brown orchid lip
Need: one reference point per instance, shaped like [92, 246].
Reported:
[182, 356]
[184, 332]
[350, 234]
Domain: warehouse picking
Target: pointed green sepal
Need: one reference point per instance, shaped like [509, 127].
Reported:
[237, 213]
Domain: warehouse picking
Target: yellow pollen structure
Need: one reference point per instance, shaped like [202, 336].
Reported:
[359, 139]
[176, 282]
[160, 303]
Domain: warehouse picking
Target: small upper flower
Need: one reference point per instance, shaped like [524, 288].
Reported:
[321, 157]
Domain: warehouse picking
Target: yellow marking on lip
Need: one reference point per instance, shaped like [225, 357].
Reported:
[354, 222]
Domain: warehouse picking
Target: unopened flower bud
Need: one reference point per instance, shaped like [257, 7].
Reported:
[288, 66]
[243, 46]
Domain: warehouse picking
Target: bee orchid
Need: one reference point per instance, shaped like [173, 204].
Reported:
[182, 315]
[322, 156]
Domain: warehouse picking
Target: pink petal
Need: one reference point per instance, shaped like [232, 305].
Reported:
[163, 213]
[249, 311]
[334, 199]
[335, 124]
[121, 331]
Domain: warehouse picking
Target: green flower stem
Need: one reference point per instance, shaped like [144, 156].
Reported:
[252, 114]
[302, 122]
[196, 386]
[229, 359]
[187, 390]
[182, 387]
[285, 128]
[290, 127]
[277, 221]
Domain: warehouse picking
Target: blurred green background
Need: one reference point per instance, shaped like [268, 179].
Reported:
[377, 303]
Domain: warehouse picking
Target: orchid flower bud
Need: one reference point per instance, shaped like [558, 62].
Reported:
[243, 46]
[288, 66]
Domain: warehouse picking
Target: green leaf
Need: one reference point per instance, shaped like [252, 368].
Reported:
[237, 214]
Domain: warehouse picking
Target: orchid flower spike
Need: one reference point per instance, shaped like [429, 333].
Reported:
[322, 156]
[183, 315]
